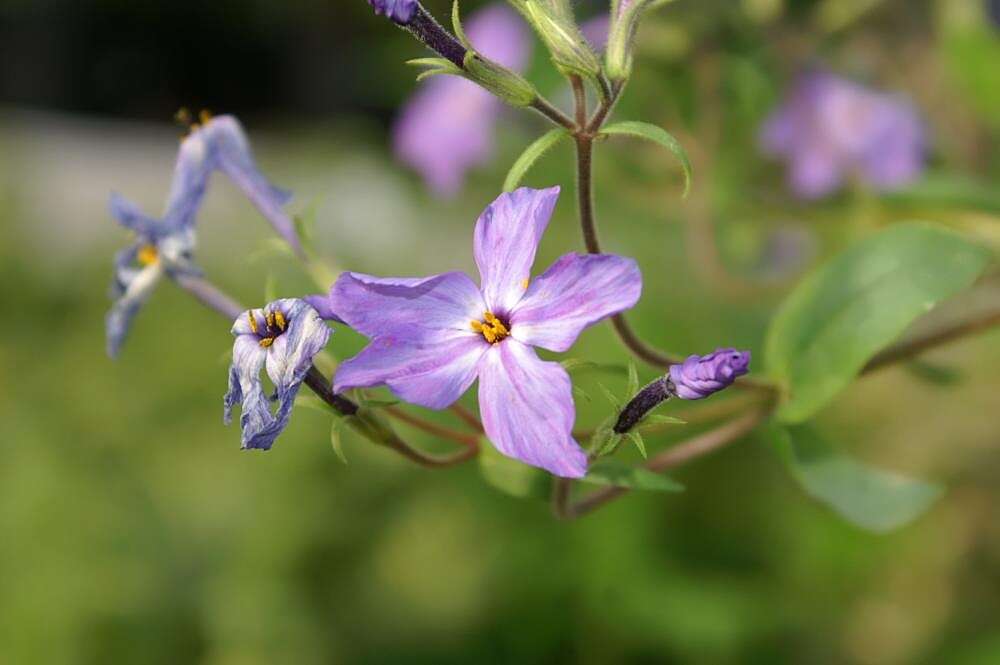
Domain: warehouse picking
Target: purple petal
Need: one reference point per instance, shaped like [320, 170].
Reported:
[136, 286]
[414, 309]
[506, 239]
[232, 154]
[430, 373]
[400, 11]
[291, 354]
[814, 172]
[256, 420]
[321, 303]
[527, 409]
[575, 292]
[701, 376]
[595, 31]
[190, 181]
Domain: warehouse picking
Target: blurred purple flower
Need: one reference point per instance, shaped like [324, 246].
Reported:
[595, 31]
[830, 128]
[432, 337]
[165, 246]
[400, 11]
[701, 376]
[282, 338]
[448, 126]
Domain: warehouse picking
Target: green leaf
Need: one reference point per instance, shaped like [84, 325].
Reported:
[582, 394]
[572, 365]
[456, 23]
[617, 474]
[949, 191]
[870, 498]
[510, 476]
[637, 439]
[610, 396]
[633, 381]
[531, 155]
[379, 403]
[838, 318]
[644, 130]
[934, 374]
[335, 439]
[658, 419]
[604, 441]
[305, 225]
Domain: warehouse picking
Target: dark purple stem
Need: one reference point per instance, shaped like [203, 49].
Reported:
[645, 401]
[429, 31]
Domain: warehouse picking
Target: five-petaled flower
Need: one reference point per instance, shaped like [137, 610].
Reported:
[164, 246]
[282, 338]
[701, 376]
[830, 128]
[432, 337]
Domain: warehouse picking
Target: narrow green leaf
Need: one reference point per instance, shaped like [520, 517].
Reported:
[582, 394]
[658, 135]
[380, 403]
[838, 318]
[617, 474]
[640, 444]
[572, 365]
[335, 439]
[456, 23]
[870, 498]
[610, 396]
[938, 375]
[633, 381]
[531, 155]
[657, 419]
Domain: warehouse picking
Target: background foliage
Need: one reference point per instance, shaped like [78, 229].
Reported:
[135, 531]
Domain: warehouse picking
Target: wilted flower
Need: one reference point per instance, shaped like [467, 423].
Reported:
[701, 376]
[164, 246]
[830, 127]
[400, 11]
[448, 126]
[282, 338]
[432, 337]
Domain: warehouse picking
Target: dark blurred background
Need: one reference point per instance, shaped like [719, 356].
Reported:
[133, 530]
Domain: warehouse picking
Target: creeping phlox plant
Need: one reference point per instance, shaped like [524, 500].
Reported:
[431, 338]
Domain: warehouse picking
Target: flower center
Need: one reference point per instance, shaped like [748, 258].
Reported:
[491, 328]
[274, 324]
[147, 255]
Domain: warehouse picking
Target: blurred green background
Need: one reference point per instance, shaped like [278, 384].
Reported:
[133, 530]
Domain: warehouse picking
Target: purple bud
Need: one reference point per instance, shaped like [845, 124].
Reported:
[701, 376]
[400, 11]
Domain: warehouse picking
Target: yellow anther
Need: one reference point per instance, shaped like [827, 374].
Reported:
[491, 328]
[147, 255]
[183, 116]
[253, 322]
[524, 283]
[269, 318]
[205, 116]
[279, 318]
[266, 342]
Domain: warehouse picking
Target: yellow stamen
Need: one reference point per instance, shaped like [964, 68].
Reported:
[491, 328]
[183, 116]
[253, 322]
[147, 255]
[266, 342]
[205, 116]
[279, 318]
[269, 318]
[524, 284]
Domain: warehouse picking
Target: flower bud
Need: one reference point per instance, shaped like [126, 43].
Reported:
[621, 39]
[398, 11]
[554, 22]
[499, 80]
[701, 376]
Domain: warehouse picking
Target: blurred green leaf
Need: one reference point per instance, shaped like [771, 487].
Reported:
[270, 288]
[951, 191]
[313, 403]
[618, 474]
[610, 396]
[932, 373]
[858, 303]
[639, 442]
[531, 155]
[658, 419]
[870, 498]
[572, 365]
[510, 476]
[336, 441]
[604, 441]
[633, 381]
[657, 135]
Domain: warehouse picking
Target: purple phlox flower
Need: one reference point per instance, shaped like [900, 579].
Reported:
[282, 338]
[432, 337]
[701, 376]
[830, 127]
[447, 127]
[400, 11]
[165, 246]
